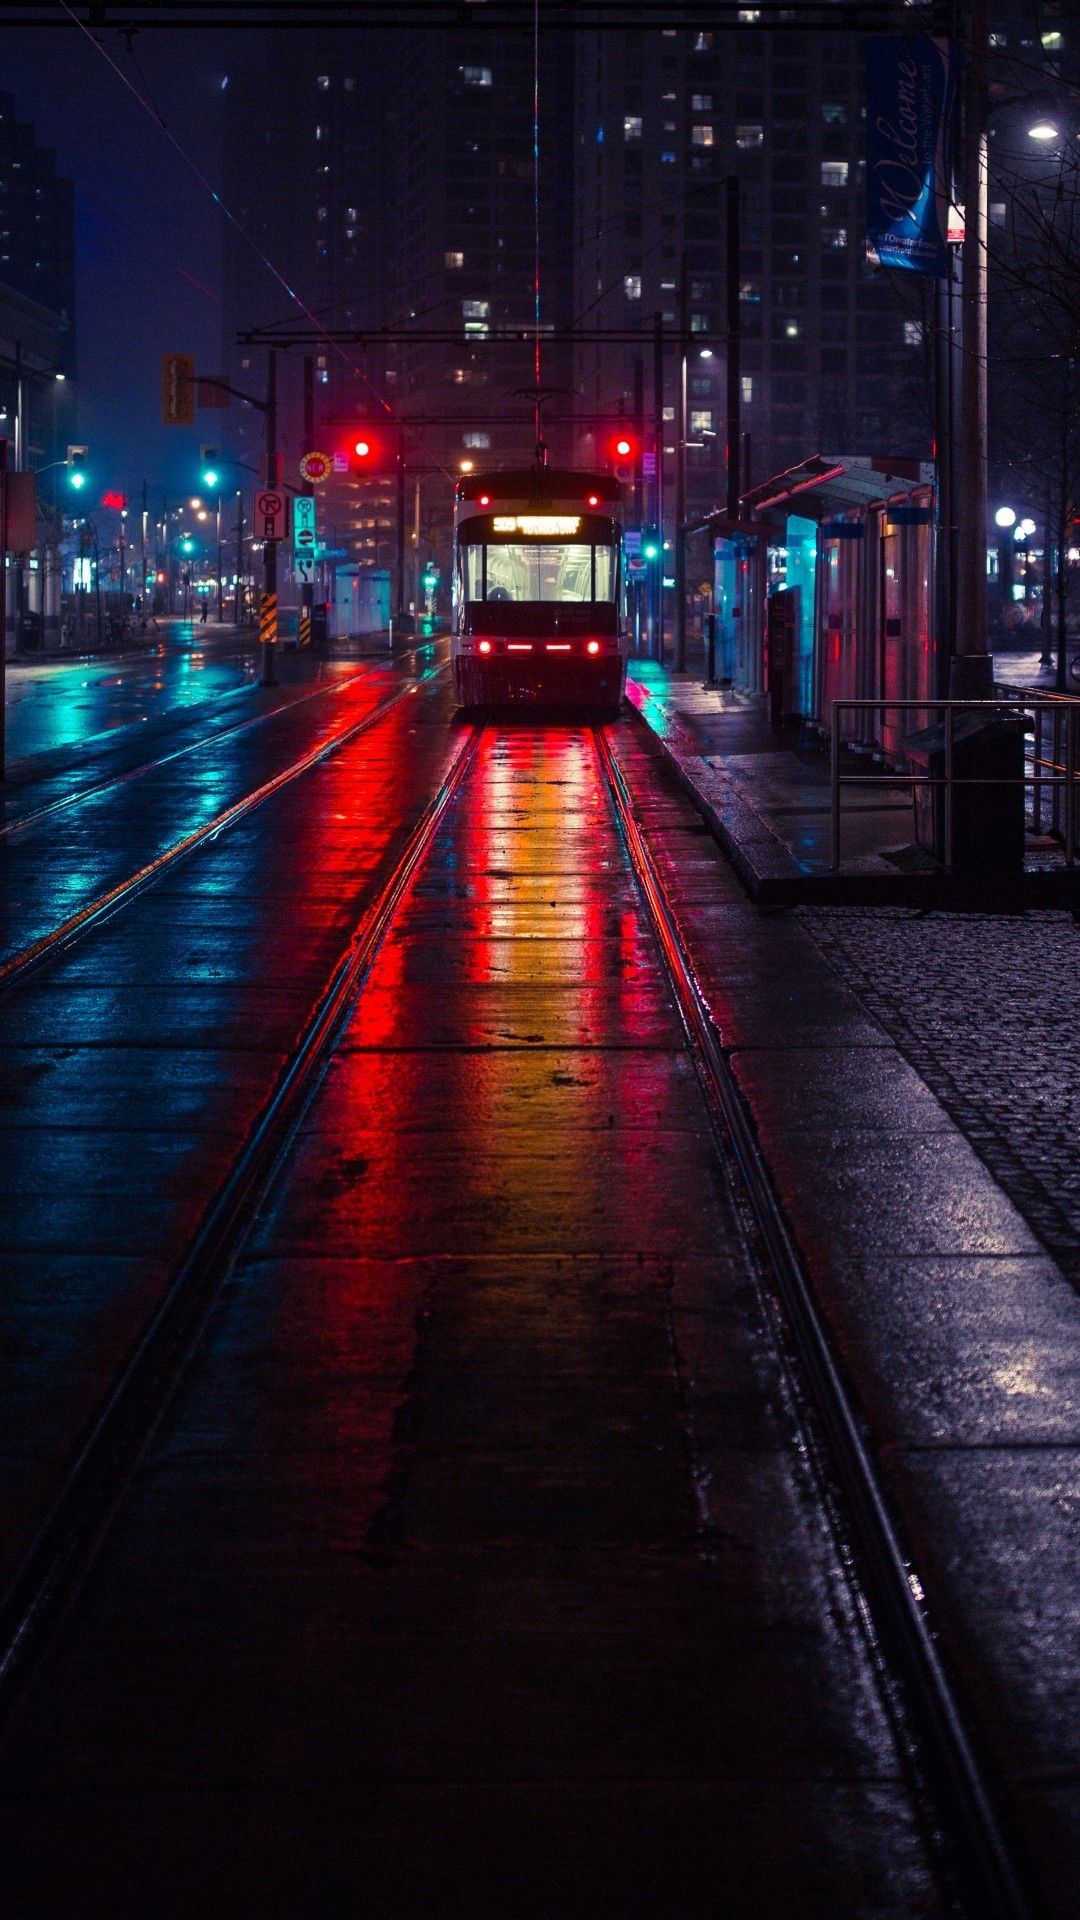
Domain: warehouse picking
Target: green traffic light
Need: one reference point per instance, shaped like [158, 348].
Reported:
[77, 480]
[650, 550]
[210, 477]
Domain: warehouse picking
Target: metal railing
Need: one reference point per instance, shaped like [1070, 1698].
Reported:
[1050, 761]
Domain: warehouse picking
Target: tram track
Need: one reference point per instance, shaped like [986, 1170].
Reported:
[60, 939]
[976, 1836]
[11, 829]
[65, 1545]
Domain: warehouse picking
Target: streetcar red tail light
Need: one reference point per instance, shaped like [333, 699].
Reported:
[484, 500]
[593, 646]
[593, 500]
[484, 646]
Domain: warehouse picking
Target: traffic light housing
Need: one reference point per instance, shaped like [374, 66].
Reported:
[367, 450]
[76, 466]
[624, 450]
[209, 458]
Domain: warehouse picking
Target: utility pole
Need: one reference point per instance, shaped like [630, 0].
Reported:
[268, 609]
[680, 483]
[3, 609]
[142, 554]
[972, 670]
[734, 346]
[401, 527]
[658, 442]
[239, 556]
[307, 591]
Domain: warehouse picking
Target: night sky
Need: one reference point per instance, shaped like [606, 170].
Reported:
[148, 235]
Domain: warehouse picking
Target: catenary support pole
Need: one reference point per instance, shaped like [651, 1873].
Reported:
[268, 610]
[680, 483]
[734, 345]
[972, 673]
[307, 590]
[658, 486]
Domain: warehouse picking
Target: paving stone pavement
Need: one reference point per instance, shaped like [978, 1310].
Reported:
[987, 1009]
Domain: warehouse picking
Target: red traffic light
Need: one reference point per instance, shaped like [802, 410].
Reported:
[624, 449]
[362, 449]
[365, 449]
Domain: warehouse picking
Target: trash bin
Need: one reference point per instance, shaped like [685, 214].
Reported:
[319, 628]
[988, 821]
[31, 632]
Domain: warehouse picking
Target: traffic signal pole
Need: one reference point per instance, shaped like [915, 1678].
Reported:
[307, 590]
[268, 609]
[3, 609]
[680, 483]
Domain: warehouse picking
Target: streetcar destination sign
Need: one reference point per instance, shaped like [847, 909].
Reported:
[562, 523]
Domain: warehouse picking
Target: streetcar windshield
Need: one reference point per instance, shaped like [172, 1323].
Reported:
[539, 571]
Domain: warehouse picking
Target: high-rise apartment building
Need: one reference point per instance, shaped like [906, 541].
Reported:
[37, 291]
[833, 353]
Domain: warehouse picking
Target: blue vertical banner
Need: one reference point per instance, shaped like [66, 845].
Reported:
[910, 107]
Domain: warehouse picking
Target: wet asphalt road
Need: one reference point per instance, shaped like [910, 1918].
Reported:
[68, 703]
[477, 1565]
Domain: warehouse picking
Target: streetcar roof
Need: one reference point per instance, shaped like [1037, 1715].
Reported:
[539, 485]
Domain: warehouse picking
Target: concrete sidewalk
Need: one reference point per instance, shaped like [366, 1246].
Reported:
[765, 793]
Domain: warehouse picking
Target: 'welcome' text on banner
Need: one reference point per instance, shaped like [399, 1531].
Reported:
[911, 96]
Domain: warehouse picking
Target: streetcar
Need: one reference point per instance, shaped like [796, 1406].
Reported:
[537, 589]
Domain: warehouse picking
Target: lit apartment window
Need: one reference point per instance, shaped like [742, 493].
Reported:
[834, 113]
[750, 291]
[667, 159]
[475, 309]
[701, 102]
[998, 213]
[631, 126]
[453, 259]
[701, 135]
[323, 83]
[1053, 41]
[747, 384]
[791, 329]
[669, 413]
[320, 133]
[701, 419]
[834, 173]
[749, 137]
[476, 440]
[699, 323]
[834, 239]
[913, 333]
[632, 286]
[476, 76]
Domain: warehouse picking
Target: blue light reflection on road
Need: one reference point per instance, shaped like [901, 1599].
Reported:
[63, 703]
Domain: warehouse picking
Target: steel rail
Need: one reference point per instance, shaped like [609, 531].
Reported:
[12, 827]
[896, 1593]
[50, 946]
[59, 1559]
[19, 825]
